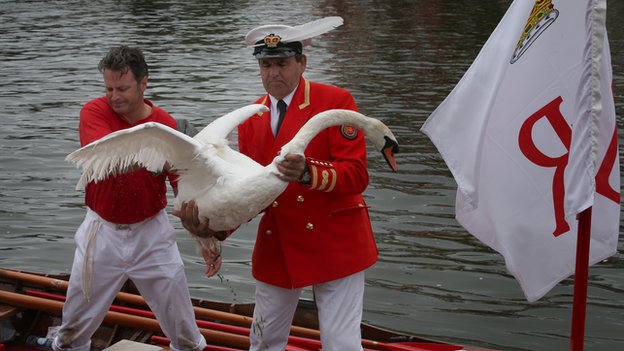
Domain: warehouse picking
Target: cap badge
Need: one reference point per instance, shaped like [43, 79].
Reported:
[272, 40]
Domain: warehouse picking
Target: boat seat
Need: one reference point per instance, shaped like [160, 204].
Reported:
[128, 345]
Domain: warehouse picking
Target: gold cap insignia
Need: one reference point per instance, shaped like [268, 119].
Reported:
[272, 40]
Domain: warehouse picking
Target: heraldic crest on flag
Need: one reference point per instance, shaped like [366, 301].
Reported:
[542, 16]
[531, 140]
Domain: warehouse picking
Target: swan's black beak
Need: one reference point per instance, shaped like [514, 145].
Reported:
[390, 148]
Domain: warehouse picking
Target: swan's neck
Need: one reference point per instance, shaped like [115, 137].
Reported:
[319, 122]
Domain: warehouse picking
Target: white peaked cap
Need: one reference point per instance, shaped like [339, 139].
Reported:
[278, 40]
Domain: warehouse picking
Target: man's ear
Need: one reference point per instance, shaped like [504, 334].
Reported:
[304, 63]
[144, 84]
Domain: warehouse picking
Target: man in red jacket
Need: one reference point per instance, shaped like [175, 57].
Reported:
[317, 232]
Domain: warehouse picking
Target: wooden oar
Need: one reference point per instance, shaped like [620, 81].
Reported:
[294, 343]
[122, 319]
[296, 340]
[231, 317]
[138, 300]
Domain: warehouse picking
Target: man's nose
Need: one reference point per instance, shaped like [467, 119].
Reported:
[274, 71]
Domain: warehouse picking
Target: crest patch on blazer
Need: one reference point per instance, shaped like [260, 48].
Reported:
[348, 132]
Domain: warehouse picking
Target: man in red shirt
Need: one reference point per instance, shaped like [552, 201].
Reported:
[317, 232]
[126, 233]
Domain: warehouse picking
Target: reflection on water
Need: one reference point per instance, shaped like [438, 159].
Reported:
[399, 58]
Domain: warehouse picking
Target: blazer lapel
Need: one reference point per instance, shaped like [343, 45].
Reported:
[298, 113]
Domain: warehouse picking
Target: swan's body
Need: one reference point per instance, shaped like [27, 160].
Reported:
[228, 187]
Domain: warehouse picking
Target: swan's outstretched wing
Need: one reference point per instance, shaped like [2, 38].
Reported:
[218, 131]
[149, 145]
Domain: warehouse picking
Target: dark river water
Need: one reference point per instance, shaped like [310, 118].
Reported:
[399, 58]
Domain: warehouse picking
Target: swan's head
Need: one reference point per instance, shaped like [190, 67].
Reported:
[377, 133]
[383, 140]
[390, 147]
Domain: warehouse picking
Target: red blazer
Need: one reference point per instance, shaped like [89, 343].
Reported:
[322, 232]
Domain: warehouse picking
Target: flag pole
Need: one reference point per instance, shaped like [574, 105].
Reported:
[579, 304]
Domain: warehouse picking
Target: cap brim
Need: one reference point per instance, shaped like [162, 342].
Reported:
[274, 53]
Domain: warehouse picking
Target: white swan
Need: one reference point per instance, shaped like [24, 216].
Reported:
[228, 187]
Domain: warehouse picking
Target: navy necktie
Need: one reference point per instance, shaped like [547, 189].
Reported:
[281, 105]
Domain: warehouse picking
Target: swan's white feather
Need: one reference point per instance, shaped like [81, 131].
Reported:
[149, 145]
[228, 187]
[219, 129]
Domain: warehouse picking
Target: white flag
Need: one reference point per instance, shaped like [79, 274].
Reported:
[529, 134]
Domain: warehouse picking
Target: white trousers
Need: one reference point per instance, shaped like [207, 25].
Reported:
[339, 305]
[106, 256]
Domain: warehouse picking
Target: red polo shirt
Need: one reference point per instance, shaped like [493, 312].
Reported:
[126, 198]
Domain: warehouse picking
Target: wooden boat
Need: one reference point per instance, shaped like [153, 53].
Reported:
[31, 304]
